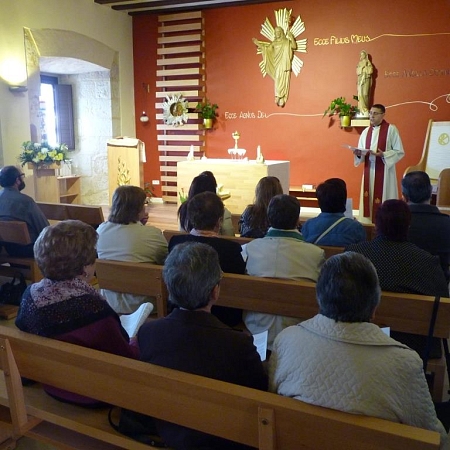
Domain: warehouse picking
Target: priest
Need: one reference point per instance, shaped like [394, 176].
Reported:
[385, 149]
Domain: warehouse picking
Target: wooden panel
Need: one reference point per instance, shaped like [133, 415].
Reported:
[185, 94]
[192, 26]
[178, 137]
[179, 61]
[176, 83]
[192, 116]
[179, 72]
[192, 126]
[172, 158]
[180, 148]
[180, 16]
[190, 81]
[177, 39]
[181, 49]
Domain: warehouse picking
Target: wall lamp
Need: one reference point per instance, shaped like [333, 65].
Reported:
[144, 118]
[17, 89]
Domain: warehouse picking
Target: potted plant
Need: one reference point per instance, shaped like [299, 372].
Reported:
[345, 110]
[208, 112]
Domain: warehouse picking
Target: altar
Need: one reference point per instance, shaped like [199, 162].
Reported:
[238, 178]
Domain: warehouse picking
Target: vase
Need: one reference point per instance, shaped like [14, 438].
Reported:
[208, 123]
[345, 121]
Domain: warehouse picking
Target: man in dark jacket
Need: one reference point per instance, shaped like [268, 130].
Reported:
[429, 229]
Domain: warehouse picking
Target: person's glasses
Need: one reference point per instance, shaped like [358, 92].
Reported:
[374, 113]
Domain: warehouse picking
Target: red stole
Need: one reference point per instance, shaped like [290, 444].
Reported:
[379, 171]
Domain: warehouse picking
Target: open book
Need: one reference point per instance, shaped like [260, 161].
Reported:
[260, 342]
[363, 151]
[132, 322]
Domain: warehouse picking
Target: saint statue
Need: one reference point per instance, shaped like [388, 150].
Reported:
[278, 59]
[364, 71]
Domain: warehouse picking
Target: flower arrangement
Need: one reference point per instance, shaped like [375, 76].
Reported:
[42, 154]
[341, 107]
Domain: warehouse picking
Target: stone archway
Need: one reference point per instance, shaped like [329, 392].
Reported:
[92, 69]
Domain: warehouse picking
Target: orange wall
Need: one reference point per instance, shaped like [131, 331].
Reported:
[402, 36]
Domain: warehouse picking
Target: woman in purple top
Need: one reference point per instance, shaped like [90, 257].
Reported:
[64, 306]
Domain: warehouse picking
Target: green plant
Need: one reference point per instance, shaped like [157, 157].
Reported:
[148, 189]
[207, 109]
[41, 154]
[341, 107]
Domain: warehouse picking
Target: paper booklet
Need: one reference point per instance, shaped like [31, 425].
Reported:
[363, 151]
[132, 322]
[260, 342]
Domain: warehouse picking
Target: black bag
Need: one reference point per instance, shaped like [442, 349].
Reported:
[12, 291]
[137, 426]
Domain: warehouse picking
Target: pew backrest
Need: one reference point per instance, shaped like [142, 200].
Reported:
[92, 215]
[133, 278]
[259, 419]
[15, 232]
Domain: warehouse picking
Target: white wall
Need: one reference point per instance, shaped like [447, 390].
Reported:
[111, 28]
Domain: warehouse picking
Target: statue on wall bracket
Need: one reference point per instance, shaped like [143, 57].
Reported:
[278, 58]
[364, 71]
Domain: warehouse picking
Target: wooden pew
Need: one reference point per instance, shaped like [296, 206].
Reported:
[408, 313]
[16, 232]
[328, 249]
[92, 215]
[260, 419]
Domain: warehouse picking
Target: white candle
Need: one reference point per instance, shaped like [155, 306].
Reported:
[192, 149]
[258, 152]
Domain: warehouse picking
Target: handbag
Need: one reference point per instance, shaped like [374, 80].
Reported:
[11, 292]
[137, 426]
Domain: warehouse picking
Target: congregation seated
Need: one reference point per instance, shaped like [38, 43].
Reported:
[192, 340]
[429, 229]
[64, 306]
[205, 212]
[16, 206]
[339, 360]
[254, 222]
[282, 253]
[331, 227]
[205, 182]
[126, 236]
[401, 265]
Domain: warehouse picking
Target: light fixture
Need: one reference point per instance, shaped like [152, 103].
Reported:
[144, 118]
[16, 89]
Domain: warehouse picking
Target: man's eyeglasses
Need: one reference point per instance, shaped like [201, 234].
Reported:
[374, 113]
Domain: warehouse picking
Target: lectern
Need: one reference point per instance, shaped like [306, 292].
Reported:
[125, 163]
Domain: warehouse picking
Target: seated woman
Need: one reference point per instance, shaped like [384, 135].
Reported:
[125, 238]
[331, 227]
[254, 222]
[205, 182]
[401, 265]
[205, 212]
[339, 360]
[64, 306]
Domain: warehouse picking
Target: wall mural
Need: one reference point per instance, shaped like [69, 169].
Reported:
[278, 55]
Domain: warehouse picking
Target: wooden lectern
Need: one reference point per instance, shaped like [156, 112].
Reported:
[125, 163]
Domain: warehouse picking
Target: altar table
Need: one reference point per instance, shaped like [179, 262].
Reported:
[239, 178]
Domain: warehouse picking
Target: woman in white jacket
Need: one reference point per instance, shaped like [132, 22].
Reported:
[339, 360]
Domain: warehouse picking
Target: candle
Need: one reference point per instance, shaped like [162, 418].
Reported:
[258, 152]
